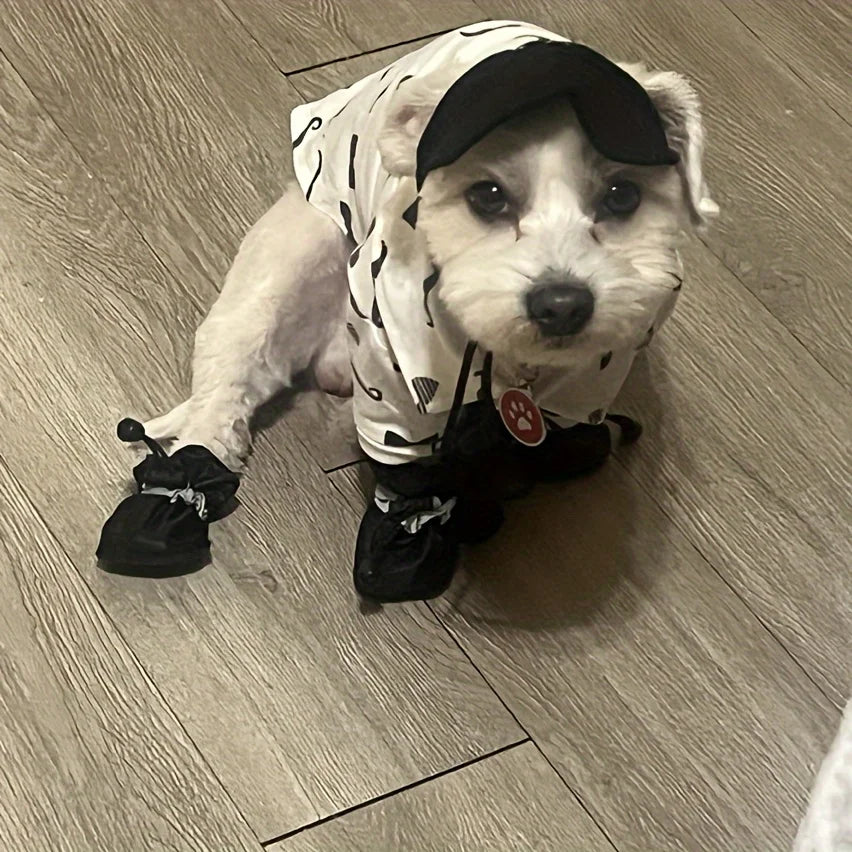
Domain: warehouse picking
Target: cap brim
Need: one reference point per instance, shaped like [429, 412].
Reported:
[613, 109]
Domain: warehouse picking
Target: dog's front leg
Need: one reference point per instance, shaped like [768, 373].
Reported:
[280, 309]
[408, 541]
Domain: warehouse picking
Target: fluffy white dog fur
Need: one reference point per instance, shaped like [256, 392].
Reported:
[283, 306]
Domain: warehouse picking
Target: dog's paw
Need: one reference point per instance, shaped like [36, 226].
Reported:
[186, 425]
[167, 427]
[231, 444]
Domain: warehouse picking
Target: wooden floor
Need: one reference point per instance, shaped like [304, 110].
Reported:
[650, 660]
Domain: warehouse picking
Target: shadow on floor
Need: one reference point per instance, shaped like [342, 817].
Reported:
[577, 552]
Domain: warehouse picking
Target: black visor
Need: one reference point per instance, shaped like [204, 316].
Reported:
[613, 109]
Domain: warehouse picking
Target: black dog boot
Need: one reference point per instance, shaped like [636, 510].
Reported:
[408, 543]
[407, 549]
[580, 449]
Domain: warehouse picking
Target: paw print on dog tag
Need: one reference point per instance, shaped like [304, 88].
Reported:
[520, 415]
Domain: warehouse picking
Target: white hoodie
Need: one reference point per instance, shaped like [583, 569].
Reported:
[408, 354]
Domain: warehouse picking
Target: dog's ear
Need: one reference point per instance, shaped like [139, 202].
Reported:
[679, 107]
[409, 112]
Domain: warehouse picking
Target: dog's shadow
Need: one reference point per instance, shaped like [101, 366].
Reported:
[587, 550]
[565, 553]
[323, 422]
[561, 557]
[281, 405]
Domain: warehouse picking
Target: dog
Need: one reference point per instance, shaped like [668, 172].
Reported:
[480, 239]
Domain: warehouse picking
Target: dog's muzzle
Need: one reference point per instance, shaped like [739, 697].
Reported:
[560, 309]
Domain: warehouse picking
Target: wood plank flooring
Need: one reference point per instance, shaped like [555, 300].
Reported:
[93, 758]
[651, 659]
[298, 35]
[812, 39]
[512, 800]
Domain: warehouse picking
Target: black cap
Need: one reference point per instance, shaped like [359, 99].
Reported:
[614, 110]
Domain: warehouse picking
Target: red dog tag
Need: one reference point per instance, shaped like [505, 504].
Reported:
[520, 415]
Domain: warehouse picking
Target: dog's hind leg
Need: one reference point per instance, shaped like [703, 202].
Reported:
[279, 310]
[332, 370]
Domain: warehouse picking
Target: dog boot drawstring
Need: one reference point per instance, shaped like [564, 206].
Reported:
[422, 510]
[131, 431]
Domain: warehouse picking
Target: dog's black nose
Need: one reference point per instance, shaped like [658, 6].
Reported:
[560, 309]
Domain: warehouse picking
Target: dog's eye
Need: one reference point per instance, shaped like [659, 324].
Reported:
[621, 198]
[487, 199]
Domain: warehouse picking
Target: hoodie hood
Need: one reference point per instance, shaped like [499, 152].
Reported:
[407, 352]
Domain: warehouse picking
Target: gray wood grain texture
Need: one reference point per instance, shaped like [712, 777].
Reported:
[298, 34]
[174, 107]
[511, 801]
[190, 135]
[779, 162]
[669, 710]
[747, 450]
[91, 756]
[811, 38]
[301, 705]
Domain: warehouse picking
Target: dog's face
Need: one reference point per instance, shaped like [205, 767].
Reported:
[549, 253]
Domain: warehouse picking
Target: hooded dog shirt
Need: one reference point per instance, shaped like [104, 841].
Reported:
[412, 365]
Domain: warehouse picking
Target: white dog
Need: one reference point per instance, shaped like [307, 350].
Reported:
[487, 227]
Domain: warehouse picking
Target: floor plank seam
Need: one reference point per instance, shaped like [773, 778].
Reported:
[369, 52]
[767, 47]
[343, 466]
[523, 727]
[577, 797]
[340, 492]
[710, 564]
[706, 243]
[243, 26]
[383, 796]
[148, 677]
[173, 276]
